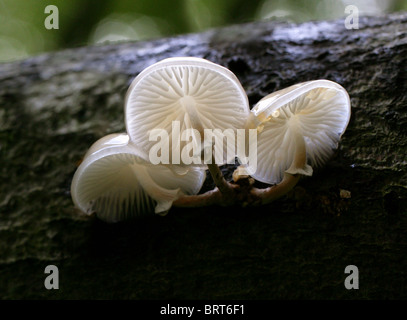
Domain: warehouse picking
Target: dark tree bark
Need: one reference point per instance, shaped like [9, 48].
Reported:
[54, 106]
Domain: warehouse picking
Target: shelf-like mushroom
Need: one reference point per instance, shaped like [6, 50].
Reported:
[302, 123]
[116, 182]
[181, 94]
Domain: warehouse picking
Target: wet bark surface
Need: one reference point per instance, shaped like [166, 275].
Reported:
[54, 106]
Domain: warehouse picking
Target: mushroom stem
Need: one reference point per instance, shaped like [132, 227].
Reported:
[272, 193]
[217, 176]
[224, 194]
[227, 193]
[300, 156]
[291, 176]
[201, 200]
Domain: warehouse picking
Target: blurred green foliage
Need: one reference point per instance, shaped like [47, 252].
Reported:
[84, 22]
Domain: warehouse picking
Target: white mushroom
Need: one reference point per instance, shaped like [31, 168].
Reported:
[116, 182]
[194, 92]
[110, 140]
[296, 124]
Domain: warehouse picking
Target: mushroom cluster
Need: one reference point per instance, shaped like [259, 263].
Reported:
[177, 113]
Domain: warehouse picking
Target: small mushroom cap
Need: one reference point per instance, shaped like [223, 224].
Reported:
[197, 93]
[318, 111]
[110, 140]
[116, 183]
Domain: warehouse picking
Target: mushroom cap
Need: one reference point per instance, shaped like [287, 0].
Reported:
[116, 183]
[196, 92]
[318, 110]
[110, 140]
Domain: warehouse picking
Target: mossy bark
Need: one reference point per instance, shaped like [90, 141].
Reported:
[54, 106]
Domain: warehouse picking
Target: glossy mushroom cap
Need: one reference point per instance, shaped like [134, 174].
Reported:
[116, 183]
[307, 119]
[195, 92]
